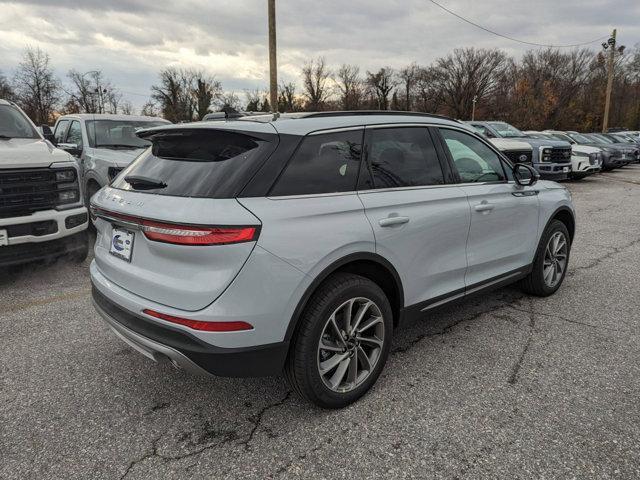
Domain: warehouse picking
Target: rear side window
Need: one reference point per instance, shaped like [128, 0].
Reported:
[325, 163]
[402, 157]
[201, 164]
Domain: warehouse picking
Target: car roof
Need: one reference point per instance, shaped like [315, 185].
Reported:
[109, 116]
[307, 122]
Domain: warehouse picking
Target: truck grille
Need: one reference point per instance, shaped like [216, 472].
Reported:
[560, 155]
[25, 191]
[519, 156]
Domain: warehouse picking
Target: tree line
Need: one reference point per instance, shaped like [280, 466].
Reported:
[546, 88]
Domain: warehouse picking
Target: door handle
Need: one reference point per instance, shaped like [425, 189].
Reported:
[390, 221]
[484, 207]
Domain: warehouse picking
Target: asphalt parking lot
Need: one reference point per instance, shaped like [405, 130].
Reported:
[503, 386]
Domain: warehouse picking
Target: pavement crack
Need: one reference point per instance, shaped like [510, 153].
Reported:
[256, 419]
[448, 328]
[559, 317]
[513, 378]
[149, 454]
[597, 261]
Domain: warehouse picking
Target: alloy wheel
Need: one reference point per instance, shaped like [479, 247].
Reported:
[351, 344]
[555, 259]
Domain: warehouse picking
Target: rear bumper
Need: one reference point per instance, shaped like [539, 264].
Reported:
[30, 252]
[160, 342]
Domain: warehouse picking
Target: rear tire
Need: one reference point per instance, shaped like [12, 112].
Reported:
[549, 266]
[334, 363]
[79, 256]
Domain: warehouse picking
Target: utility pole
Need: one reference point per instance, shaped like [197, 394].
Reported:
[273, 63]
[611, 44]
[473, 109]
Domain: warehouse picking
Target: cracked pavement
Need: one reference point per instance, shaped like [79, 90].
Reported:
[500, 386]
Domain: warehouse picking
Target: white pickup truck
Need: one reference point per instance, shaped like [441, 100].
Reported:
[42, 214]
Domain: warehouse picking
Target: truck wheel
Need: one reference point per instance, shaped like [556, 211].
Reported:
[342, 343]
[551, 261]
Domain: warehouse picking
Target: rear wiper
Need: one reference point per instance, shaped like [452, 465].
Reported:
[144, 183]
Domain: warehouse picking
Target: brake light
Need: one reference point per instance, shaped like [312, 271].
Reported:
[183, 234]
[187, 235]
[235, 326]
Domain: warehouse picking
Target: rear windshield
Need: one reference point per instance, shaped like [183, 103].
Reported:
[202, 164]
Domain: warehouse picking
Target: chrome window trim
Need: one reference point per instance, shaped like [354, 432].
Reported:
[334, 130]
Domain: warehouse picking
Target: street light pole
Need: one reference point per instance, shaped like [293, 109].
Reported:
[612, 52]
[273, 66]
[473, 109]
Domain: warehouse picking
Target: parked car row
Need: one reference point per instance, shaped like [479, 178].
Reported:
[558, 155]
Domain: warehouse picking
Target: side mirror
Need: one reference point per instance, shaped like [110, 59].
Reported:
[490, 134]
[524, 175]
[71, 148]
[48, 134]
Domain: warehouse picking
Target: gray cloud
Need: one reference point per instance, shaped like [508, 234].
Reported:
[131, 40]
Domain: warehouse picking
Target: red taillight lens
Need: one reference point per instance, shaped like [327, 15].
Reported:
[186, 235]
[200, 325]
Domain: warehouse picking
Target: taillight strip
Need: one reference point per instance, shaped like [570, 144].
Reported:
[182, 234]
[234, 326]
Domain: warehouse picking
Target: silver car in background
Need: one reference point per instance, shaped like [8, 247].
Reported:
[298, 243]
[104, 144]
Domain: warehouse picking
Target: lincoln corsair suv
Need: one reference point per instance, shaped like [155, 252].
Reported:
[298, 243]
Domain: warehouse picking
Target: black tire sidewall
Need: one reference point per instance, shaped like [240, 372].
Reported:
[538, 268]
[360, 287]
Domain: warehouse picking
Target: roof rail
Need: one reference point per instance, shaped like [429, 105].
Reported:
[373, 112]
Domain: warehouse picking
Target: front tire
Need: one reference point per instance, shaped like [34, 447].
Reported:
[342, 342]
[551, 261]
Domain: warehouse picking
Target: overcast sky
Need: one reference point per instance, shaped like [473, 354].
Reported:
[131, 40]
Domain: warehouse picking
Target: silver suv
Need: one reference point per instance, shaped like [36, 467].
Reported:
[298, 243]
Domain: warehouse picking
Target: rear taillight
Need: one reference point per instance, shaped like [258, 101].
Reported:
[235, 326]
[179, 234]
[186, 235]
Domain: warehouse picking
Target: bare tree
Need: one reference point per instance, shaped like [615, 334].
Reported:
[408, 76]
[126, 108]
[465, 74]
[206, 90]
[37, 90]
[350, 86]
[254, 97]
[381, 84]
[92, 92]
[315, 76]
[174, 95]
[149, 109]
[6, 92]
[229, 101]
[287, 99]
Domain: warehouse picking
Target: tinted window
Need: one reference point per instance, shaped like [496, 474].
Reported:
[325, 163]
[475, 161]
[61, 129]
[402, 157]
[74, 135]
[203, 164]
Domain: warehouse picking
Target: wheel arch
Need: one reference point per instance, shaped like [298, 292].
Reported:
[566, 216]
[367, 264]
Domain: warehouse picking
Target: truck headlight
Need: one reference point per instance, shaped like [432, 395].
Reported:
[68, 196]
[545, 154]
[67, 175]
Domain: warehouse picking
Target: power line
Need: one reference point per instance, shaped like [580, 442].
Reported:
[511, 38]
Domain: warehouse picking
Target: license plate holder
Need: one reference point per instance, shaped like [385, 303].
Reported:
[122, 243]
